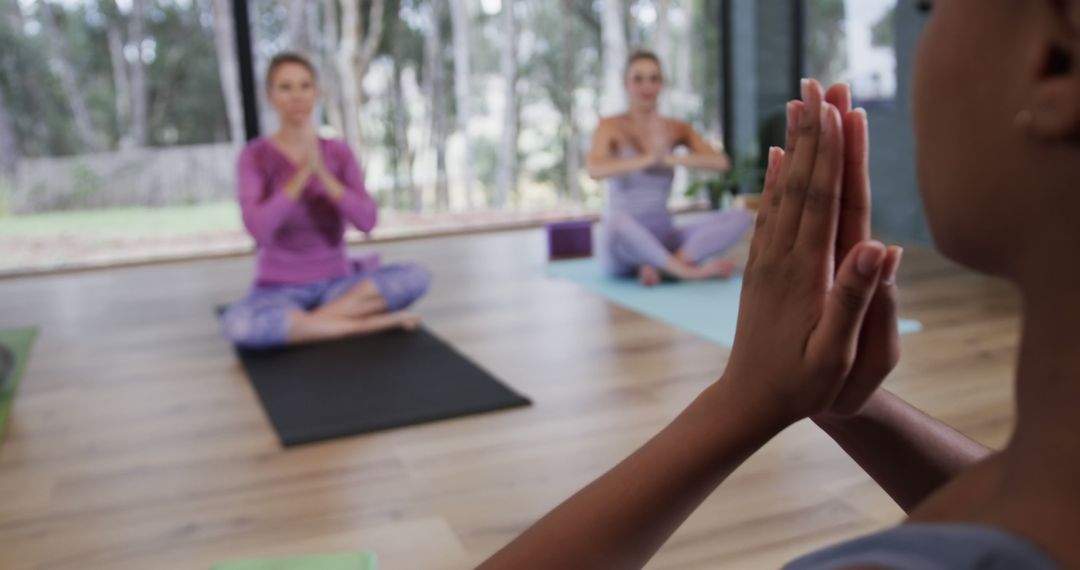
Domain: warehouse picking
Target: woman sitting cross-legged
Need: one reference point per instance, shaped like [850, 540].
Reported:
[298, 193]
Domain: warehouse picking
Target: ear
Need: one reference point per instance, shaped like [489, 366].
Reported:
[1052, 108]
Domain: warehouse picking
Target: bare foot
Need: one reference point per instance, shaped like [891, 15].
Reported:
[648, 275]
[715, 269]
[720, 268]
[408, 321]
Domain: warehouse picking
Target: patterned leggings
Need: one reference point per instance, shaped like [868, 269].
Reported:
[260, 320]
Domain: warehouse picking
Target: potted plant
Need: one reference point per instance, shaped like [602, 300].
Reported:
[745, 175]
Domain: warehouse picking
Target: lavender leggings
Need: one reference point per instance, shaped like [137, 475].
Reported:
[260, 320]
[631, 242]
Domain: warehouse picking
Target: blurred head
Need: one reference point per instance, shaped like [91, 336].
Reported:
[644, 79]
[997, 120]
[291, 87]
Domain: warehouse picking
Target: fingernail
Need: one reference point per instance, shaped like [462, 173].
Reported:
[870, 258]
[864, 122]
[792, 114]
[774, 159]
[805, 87]
[806, 118]
[889, 275]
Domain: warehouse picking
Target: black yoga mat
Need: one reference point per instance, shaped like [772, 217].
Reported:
[368, 383]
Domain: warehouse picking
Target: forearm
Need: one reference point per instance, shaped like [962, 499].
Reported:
[263, 206]
[715, 162]
[334, 187]
[599, 169]
[621, 519]
[295, 185]
[908, 453]
[354, 203]
[263, 216]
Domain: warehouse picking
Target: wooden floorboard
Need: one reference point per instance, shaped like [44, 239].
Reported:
[136, 441]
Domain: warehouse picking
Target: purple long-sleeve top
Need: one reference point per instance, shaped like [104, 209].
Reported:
[300, 241]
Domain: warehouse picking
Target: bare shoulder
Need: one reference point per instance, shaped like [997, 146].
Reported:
[680, 130]
[608, 131]
[611, 123]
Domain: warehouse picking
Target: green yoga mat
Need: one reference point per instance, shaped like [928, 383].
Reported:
[708, 309]
[352, 561]
[19, 342]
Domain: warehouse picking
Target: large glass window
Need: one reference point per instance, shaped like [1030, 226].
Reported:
[474, 105]
[114, 130]
[120, 120]
[853, 41]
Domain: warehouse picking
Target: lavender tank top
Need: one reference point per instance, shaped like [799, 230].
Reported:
[643, 195]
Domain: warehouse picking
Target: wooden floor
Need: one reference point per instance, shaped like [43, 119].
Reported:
[136, 441]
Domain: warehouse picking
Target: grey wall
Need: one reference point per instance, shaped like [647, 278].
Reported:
[898, 213]
[775, 68]
[744, 73]
[762, 69]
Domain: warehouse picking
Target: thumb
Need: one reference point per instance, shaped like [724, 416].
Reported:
[837, 334]
[879, 342]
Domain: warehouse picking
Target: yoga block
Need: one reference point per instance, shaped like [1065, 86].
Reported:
[569, 239]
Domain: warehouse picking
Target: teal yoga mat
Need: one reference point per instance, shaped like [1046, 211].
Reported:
[708, 309]
[352, 561]
[19, 342]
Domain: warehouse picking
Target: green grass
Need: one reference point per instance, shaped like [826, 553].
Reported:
[126, 222]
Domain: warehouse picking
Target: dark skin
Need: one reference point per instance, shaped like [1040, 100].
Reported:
[634, 508]
[995, 78]
[1028, 66]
